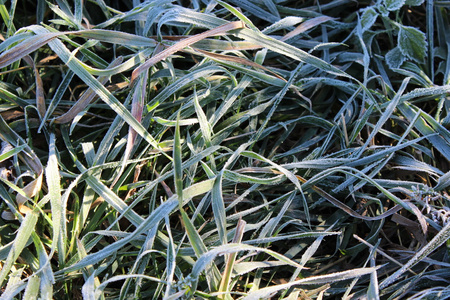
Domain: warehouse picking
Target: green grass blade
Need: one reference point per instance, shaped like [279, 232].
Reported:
[26, 228]
[329, 278]
[442, 237]
[58, 208]
[218, 208]
[32, 289]
[101, 91]
[152, 220]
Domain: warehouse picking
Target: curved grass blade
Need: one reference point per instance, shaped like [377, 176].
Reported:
[323, 279]
[40, 97]
[289, 51]
[171, 260]
[116, 37]
[85, 99]
[344, 207]
[45, 273]
[251, 8]
[177, 163]
[218, 208]
[205, 126]
[32, 289]
[311, 23]
[208, 257]
[183, 44]
[239, 60]
[26, 47]
[255, 37]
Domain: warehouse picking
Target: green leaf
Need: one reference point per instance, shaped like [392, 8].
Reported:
[171, 123]
[414, 2]
[393, 5]
[395, 58]
[412, 43]
[368, 18]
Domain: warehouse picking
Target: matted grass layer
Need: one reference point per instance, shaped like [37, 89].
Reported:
[225, 149]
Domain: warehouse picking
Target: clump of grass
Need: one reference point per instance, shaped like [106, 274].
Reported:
[229, 150]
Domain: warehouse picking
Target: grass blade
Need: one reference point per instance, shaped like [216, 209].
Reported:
[23, 234]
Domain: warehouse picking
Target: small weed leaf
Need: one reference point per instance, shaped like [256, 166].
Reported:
[368, 18]
[395, 58]
[412, 43]
[393, 5]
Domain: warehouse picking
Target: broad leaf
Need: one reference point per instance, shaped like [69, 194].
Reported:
[393, 5]
[368, 18]
[412, 43]
[395, 58]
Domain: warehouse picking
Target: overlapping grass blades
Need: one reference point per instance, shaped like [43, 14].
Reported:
[236, 151]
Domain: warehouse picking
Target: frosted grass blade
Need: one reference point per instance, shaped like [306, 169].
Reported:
[171, 260]
[208, 257]
[183, 44]
[323, 279]
[84, 100]
[439, 239]
[308, 24]
[137, 107]
[152, 220]
[26, 228]
[32, 289]
[57, 206]
[101, 91]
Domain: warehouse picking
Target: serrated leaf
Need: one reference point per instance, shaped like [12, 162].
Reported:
[393, 5]
[368, 18]
[412, 43]
[395, 58]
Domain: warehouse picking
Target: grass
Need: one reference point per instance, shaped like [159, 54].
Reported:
[225, 149]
